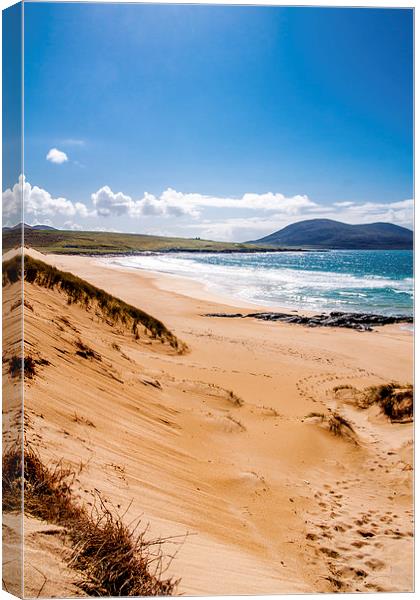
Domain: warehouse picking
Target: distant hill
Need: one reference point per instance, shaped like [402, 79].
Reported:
[58, 241]
[36, 227]
[42, 227]
[326, 233]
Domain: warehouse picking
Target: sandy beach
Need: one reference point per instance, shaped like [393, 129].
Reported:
[213, 445]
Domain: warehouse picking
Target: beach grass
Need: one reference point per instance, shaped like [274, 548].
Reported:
[394, 399]
[79, 291]
[111, 560]
[335, 423]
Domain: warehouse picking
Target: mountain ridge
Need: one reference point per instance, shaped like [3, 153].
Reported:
[335, 235]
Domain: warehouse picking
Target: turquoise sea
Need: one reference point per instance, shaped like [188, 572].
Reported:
[375, 281]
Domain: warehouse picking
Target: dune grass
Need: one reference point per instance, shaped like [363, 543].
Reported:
[28, 366]
[79, 291]
[111, 559]
[395, 400]
[336, 423]
[234, 398]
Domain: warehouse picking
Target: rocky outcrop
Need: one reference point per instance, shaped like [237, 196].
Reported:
[359, 321]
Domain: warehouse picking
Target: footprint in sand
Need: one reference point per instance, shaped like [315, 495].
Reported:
[385, 520]
[330, 552]
[358, 544]
[374, 564]
[365, 533]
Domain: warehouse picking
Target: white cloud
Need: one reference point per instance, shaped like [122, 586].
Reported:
[56, 156]
[109, 203]
[249, 217]
[177, 204]
[266, 202]
[38, 204]
[399, 213]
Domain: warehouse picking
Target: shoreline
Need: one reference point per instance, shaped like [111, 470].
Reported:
[184, 297]
[181, 250]
[191, 287]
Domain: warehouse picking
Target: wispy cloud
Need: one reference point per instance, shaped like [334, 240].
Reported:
[57, 156]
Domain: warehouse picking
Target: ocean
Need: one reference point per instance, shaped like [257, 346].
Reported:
[371, 281]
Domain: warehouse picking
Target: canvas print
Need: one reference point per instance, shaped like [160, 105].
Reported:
[207, 299]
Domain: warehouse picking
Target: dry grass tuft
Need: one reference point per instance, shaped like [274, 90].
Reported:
[336, 423]
[112, 560]
[234, 399]
[85, 352]
[15, 366]
[339, 425]
[12, 479]
[29, 366]
[394, 399]
[116, 562]
[345, 386]
[47, 491]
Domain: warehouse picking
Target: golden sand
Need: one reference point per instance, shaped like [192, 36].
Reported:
[214, 443]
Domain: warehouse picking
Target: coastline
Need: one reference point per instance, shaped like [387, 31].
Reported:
[190, 287]
[294, 285]
[269, 498]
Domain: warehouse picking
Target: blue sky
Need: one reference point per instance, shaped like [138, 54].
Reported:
[223, 122]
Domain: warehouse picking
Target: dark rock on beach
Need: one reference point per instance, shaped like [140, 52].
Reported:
[359, 321]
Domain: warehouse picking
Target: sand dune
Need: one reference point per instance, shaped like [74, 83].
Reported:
[214, 445]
